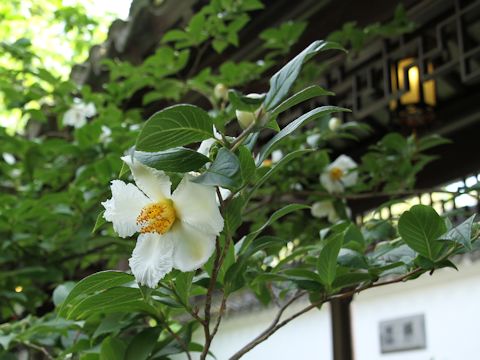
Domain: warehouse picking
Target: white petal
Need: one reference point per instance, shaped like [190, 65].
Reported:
[205, 146]
[192, 247]
[224, 193]
[330, 185]
[151, 259]
[277, 155]
[344, 162]
[321, 209]
[313, 139]
[154, 183]
[90, 109]
[123, 208]
[196, 204]
[350, 178]
[333, 217]
[74, 117]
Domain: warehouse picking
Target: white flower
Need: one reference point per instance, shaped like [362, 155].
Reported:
[277, 155]
[176, 230]
[339, 175]
[105, 136]
[334, 123]
[321, 209]
[221, 92]
[78, 113]
[245, 118]
[313, 139]
[206, 145]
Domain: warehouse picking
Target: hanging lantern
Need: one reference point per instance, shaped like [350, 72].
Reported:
[415, 101]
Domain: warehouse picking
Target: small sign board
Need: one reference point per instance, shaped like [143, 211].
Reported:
[407, 333]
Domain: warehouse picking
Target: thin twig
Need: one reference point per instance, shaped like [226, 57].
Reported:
[179, 340]
[39, 348]
[382, 194]
[208, 300]
[243, 135]
[189, 310]
[220, 255]
[276, 324]
[223, 306]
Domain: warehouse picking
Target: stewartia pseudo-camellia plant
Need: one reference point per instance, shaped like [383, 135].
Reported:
[247, 211]
[195, 228]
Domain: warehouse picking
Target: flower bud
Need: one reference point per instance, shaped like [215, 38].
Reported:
[220, 92]
[334, 123]
[245, 118]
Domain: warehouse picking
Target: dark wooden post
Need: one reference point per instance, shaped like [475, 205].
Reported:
[341, 329]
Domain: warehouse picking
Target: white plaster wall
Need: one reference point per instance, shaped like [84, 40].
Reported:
[307, 337]
[450, 301]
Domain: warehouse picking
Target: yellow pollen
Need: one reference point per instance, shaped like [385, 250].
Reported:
[267, 163]
[336, 174]
[157, 217]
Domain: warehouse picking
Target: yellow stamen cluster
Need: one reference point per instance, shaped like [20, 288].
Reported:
[336, 174]
[157, 217]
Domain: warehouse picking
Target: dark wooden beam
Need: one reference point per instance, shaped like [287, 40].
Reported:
[341, 329]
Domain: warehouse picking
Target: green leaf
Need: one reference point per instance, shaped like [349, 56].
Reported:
[350, 279]
[142, 344]
[431, 141]
[233, 214]
[112, 348]
[174, 160]
[175, 126]
[244, 103]
[327, 260]
[294, 125]
[303, 95]
[117, 299]
[234, 277]
[61, 292]
[99, 222]
[282, 81]
[247, 164]
[462, 233]
[284, 161]
[222, 172]
[420, 227]
[352, 259]
[96, 282]
[247, 240]
[183, 284]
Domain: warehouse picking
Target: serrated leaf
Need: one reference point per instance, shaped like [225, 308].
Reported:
[175, 126]
[117, 299]
[223, 171]
[420, 227]
[303, 95]
[327, 260]
[461, 233]
[142, 344]
[112, 348]
[282, 81]
[294, 125]
[244, 103]
[173, 160]
[96, 282]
